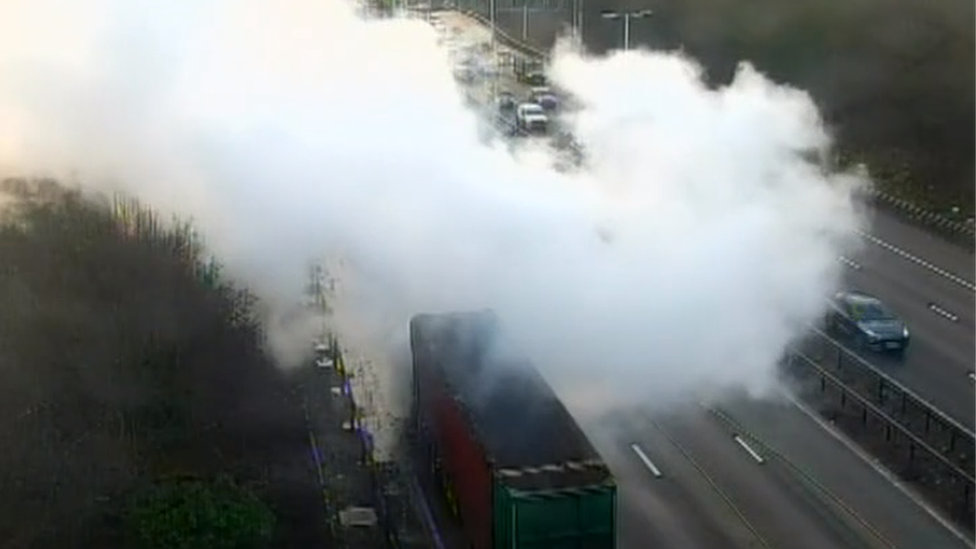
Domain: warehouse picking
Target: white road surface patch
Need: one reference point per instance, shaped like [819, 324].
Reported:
[749, 450]
[921, 262]
[944, 313]
[646, 460]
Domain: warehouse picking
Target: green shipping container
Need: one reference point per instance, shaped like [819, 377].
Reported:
[580, 518]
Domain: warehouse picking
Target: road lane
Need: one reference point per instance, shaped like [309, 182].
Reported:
[948, 289]
[847, 476]
[941, 354]
[676, 509]
[465, 31]
[942, 351]
[921, 243]
[912, 281]
[778, 509]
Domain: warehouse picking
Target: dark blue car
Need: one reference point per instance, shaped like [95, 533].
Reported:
[865, 321]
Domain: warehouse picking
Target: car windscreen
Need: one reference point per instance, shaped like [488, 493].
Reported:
[871, 311]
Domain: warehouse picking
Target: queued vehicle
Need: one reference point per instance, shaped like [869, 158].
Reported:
[506, 102]
[868, 323]
[531, 118]
[466, 72]
[545, 97]
[530, 71]
[324, 355]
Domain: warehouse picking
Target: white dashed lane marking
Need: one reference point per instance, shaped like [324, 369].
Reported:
[944, 313]
[850, 263]
[749, 449]
[921, 262]
[646, 460]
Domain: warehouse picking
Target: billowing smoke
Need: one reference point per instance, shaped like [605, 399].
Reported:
[695, 244]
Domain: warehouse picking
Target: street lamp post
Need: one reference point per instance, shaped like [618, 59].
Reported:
[491, 20]
[626, 16]
[578, 20]
[493, 49]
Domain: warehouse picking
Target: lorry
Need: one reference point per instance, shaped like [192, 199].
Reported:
[513, 466]
[529, 71]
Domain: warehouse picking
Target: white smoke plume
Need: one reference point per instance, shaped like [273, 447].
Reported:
[689, 251]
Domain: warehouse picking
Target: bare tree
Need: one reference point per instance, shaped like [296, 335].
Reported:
[124, 356]
[896, 79]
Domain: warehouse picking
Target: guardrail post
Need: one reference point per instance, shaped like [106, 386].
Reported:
[821, 349]
[927, 438]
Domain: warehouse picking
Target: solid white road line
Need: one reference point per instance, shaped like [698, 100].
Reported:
[745, 446]
[873, 463]
[647, 461]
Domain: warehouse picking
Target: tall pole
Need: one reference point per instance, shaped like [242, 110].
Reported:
[574, 23]
[626, 18]
[579, 23]
[525, 21]
[494, 51]
[491, 20]
[626, 31]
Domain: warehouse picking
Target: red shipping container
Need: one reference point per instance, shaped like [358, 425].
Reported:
[468, 469]
[461, 454]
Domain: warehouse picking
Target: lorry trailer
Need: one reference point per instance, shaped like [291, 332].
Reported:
[513, 465]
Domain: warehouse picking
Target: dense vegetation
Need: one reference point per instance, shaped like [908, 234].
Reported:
[127, 359]
[191, 514]
[896, 79]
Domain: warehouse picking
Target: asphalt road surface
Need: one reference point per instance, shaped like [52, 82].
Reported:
[811, 490]
[925, 279]
[929, 283]
[757, 474]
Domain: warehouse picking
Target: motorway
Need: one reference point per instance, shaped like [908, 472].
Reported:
[466, 32]
[929, 283]
[756, 474]
[926, 280]
[764, 474]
